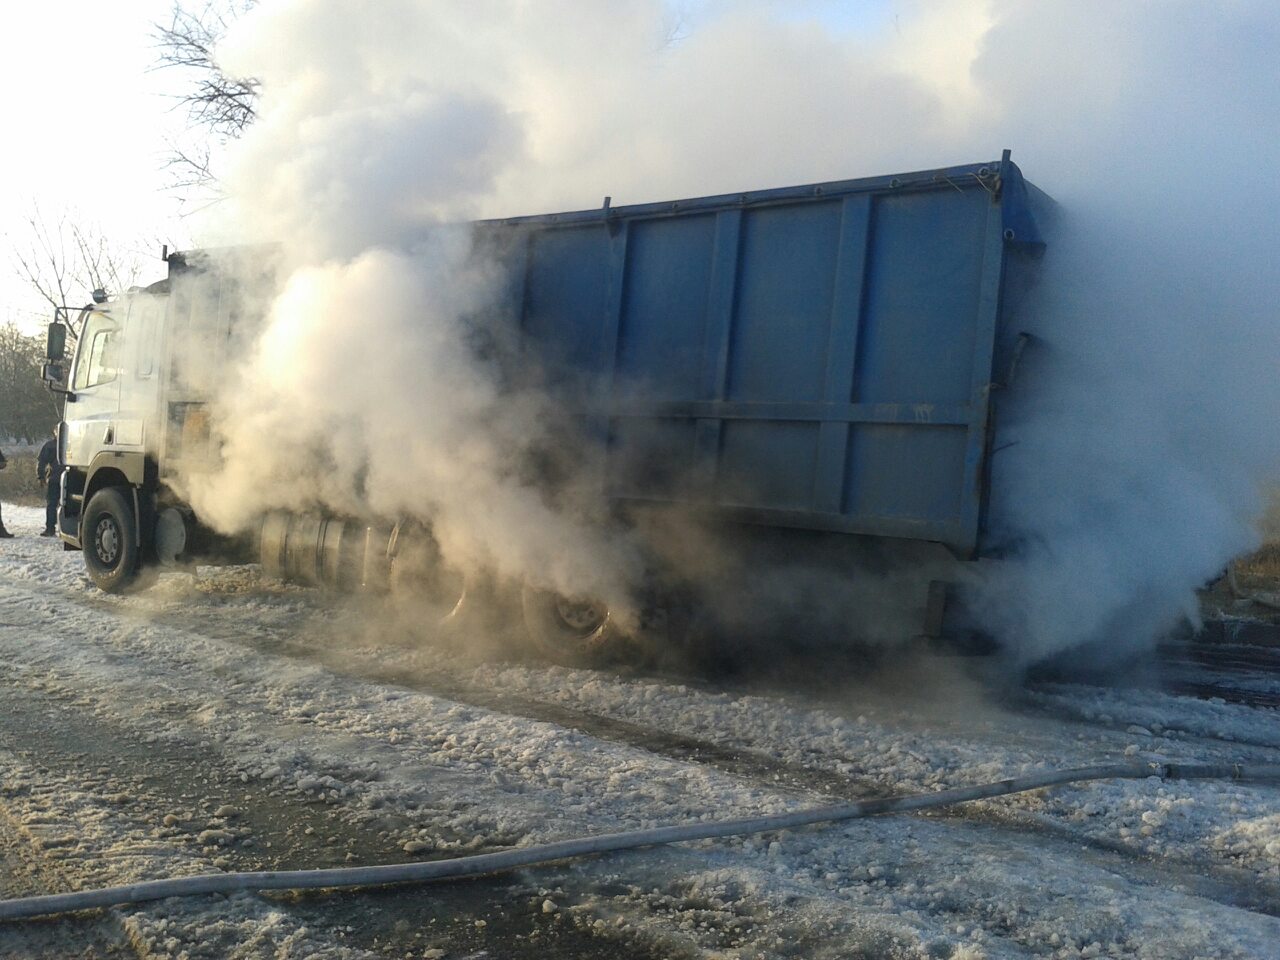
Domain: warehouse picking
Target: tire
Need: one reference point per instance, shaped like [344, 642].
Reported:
[110, 541]
[573, 633]
[419, 579]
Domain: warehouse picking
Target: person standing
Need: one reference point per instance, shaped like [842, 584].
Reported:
[49, 472]
[4, 534]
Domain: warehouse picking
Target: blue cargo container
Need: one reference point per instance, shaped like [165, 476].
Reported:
[818, 363]
[819, 357]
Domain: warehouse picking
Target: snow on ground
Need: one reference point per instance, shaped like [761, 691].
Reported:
[285, 696]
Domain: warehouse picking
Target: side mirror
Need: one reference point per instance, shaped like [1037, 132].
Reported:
[53, 373]
[56, 345]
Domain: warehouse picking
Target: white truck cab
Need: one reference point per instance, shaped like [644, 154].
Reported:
[109, 434]
[113, 397]
[136, 419]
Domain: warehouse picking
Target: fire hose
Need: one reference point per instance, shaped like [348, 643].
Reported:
[504, 860]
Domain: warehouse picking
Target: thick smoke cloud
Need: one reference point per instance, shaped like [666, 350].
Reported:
[1142, 442]
[364, 395]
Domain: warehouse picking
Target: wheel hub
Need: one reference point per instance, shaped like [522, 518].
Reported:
[106, 541]
[579, 615]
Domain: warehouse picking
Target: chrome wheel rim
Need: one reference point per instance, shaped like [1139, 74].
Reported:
[106, 541]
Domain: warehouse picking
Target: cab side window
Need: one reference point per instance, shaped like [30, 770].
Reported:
[143, 321]
[97, 360]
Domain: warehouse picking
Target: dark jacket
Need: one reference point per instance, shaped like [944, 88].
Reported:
[48, 469]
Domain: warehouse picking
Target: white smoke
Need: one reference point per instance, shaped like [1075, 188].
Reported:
[364, 395]
[1148, 435]
[1141, 443]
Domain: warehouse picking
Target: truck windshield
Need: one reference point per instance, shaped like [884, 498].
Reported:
[96, 362]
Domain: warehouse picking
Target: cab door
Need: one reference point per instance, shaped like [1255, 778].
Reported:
[94, 397]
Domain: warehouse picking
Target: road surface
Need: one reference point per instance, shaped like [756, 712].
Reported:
[221, 722]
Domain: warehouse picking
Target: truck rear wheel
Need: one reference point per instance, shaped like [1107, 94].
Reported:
[573, 632]
[420, 578]
[110, 541]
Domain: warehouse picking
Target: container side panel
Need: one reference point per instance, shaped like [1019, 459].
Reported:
[651, 458]
[767, 463]
[566, 298]
[664, 316]
[811, 358]
[923, 282]
[906, 471]
[778, 350]
[846, 317]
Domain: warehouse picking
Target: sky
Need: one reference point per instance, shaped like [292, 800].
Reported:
[92, 120]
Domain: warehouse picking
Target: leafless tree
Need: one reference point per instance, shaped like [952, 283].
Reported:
[65, 261]
[26, 407]
[46, 261]
[219, 106]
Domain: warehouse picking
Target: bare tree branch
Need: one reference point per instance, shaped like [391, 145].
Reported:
[675, 25]
[219, 104]
[26, 407]
[64, 261]
[44, 263]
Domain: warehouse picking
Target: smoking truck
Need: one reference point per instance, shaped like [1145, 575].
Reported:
[817, 368]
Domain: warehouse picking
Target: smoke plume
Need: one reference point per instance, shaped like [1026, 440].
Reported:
[1135, 457]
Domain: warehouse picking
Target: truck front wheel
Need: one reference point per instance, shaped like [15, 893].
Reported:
[110, 541]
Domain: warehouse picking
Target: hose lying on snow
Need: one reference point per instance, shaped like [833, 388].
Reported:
[545, 853]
